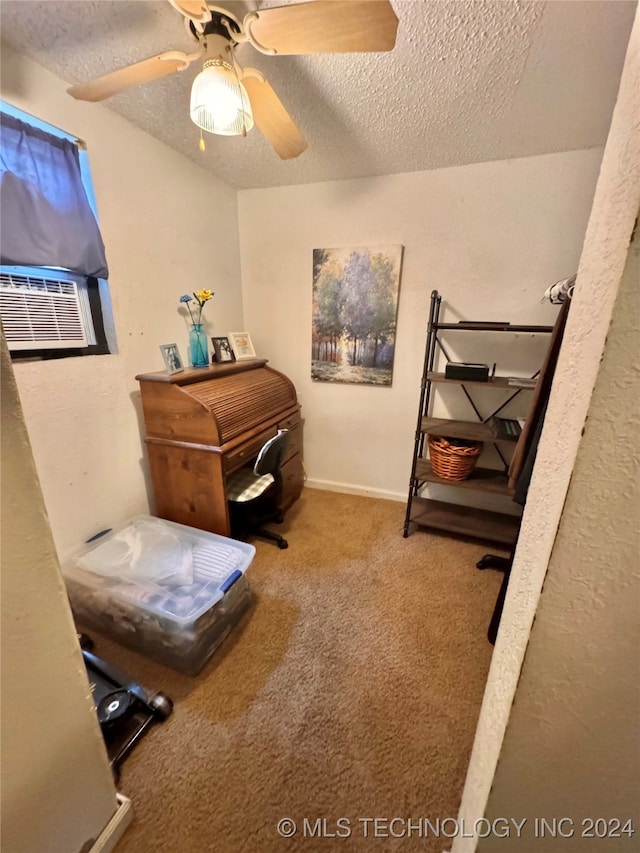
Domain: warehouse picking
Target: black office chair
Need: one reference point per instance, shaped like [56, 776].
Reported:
[254, 493]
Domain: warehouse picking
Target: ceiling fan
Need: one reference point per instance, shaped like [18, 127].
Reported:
[227, 99]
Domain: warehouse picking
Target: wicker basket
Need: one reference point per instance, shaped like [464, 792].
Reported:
[453, 459]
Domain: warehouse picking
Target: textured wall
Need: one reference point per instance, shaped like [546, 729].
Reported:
[169, 228]
[573, 732]
[57, 788]
[603, 259]
[489, 237]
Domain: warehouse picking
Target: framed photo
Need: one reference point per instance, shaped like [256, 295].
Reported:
[222, 350]
[241, 345]
[171, 356]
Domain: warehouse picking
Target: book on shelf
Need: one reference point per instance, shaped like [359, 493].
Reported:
[505, 429]
[521, 382]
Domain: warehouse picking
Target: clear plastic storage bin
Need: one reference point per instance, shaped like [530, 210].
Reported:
[166, 590]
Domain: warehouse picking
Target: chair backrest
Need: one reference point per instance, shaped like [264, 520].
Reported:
[271, 454]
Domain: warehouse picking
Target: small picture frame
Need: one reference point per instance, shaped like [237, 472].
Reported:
[222, 350]
[241, 345]
[171, 356]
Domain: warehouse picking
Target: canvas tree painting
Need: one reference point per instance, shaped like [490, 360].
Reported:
[355, 307]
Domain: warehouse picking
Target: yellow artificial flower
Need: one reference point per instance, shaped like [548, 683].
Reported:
[201, 297]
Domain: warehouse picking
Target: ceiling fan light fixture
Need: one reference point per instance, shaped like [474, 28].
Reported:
[219, 101]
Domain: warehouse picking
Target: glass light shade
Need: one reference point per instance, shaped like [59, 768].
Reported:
[219, 101]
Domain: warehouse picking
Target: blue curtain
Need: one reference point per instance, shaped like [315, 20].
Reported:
[45, 214]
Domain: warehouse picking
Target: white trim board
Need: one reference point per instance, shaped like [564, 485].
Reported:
[115, 829]
[348, 489]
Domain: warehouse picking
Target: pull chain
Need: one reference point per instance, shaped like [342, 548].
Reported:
[201, 144]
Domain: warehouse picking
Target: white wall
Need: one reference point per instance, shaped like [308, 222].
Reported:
[573, 732]
[602, 263]
[169, 228]
[57, 789]
[490, 237]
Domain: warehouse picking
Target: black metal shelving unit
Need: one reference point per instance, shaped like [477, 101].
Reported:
[501, 528]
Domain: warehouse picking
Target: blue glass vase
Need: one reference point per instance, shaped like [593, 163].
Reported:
[198, 347]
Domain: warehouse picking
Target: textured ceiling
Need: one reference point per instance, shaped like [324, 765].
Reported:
[468, 81]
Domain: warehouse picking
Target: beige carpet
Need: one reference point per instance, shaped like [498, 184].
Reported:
[351, 689]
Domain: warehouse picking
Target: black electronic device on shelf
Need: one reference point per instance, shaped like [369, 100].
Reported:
[462, 371]
[125, 710]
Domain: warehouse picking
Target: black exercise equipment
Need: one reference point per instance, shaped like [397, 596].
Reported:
[125, 710]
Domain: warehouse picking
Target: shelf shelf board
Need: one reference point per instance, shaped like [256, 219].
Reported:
[474, 431]
[465, 521]
[492, 382]
[486, 480]
[491, 327]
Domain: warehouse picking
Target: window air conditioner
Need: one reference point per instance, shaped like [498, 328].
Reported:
[41, 313]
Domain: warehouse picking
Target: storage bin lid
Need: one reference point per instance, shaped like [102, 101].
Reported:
[167, 569]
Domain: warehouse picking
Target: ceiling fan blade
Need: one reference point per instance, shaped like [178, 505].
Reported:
[271, 116]
[195, 10]
[132, 75]
[324, 26]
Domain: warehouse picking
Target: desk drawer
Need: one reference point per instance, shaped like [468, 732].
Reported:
[295, 443]
[291, 422]
[292, 481]
[246, 452]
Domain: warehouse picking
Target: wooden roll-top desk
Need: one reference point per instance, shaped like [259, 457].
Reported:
[203, 423]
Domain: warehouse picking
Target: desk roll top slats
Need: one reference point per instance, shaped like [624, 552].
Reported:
[201, 424]
[232, 400]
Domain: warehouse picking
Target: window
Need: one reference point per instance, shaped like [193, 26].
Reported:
[62, 309]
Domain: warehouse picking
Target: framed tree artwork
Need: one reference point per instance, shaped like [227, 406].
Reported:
[355, 308]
